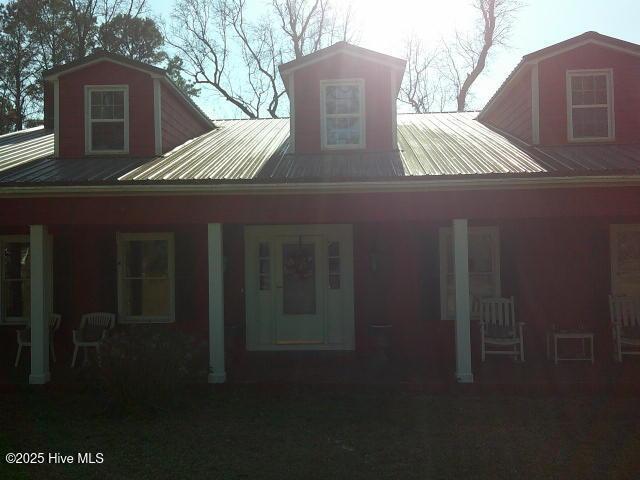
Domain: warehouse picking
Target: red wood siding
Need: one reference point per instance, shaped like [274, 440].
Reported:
[141, 127]
[378, 101]
[335, 208]
[511, 112]
[557, 270]
[553, 98]
[179, 123]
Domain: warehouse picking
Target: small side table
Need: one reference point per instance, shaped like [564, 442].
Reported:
[584, 336]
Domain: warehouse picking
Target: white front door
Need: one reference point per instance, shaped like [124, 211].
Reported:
[299, 292]
[299, 287]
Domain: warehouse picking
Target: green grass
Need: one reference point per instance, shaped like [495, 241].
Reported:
[308, 433]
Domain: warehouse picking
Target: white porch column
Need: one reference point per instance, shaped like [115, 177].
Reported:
[464, 373]
[217, 372]
[39, 250]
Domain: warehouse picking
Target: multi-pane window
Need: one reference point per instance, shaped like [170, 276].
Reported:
[343, 114]
[146, 277]
[15, 286]
[625, 259]
[333, 257]
[264, 266]
[484, 269]
[107, 121]
[590, 105]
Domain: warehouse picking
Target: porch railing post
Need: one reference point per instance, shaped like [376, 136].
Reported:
[39, 252]
[217, 372]
[464, 373]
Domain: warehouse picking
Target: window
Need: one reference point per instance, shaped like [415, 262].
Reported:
[333, 257]
[625, 260]
[15, 286]
[107, 119]
[484, 269]
[264, 267]
[590, 105]
[342, 110]
[146, 277]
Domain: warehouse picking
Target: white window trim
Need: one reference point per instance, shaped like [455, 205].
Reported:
[446, 233]
[125, 237]
[10, 320]
[613, 243]
[87, 118]
[323, 114]
[608, 72]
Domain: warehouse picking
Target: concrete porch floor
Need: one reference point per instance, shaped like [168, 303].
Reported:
[339, 368]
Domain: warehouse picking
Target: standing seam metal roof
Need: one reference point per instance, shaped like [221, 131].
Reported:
[21, 147]
[257, 151]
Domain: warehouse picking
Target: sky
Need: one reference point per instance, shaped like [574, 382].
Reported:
[383, 24]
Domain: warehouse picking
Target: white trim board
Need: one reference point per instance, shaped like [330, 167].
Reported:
[346, 50]
[435, 185]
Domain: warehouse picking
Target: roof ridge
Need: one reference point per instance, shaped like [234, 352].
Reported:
[287, 118]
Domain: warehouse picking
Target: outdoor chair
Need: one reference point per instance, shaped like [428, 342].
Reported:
[24, 337]
[625, 325]
[499, 330]
[92, 332]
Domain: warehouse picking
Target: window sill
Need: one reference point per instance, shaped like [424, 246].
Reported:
[578, 141]
[144, 320]
[94, 153]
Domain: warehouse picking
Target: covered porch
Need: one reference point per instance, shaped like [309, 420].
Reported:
[558, 271]
[408, 264]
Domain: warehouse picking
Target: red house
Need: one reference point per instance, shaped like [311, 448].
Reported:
[344, 228]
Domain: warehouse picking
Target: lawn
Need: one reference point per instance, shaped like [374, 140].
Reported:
[303, 433]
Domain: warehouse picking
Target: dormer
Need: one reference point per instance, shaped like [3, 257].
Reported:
[108, 105]
[343, 99]
[580, 91]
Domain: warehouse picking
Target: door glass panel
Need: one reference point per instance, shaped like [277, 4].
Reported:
[299, 279]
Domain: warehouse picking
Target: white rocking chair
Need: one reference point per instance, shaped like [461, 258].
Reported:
[92, 332]
[24, 337]
[625, 325]
[499, 329]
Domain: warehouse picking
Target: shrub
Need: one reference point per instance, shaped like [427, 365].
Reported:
[147, 367]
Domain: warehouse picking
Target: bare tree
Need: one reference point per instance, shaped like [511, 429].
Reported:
[311, 25]
[423, 88]
[466, 57]
[434, 78]
[239, 56]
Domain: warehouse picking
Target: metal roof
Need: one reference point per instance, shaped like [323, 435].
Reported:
[24, 146]
[429, 144]
[93, 170]
[436, 145]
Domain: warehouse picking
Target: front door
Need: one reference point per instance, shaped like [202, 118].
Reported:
[299, 306]
[299, 287]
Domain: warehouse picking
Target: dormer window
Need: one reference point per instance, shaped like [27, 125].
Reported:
[107, 119]
[342, 111]
[590, 105]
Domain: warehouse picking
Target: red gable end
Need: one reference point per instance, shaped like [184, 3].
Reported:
[582, 90]
[374, 80]
[131, 107]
